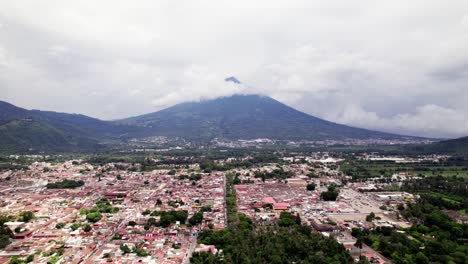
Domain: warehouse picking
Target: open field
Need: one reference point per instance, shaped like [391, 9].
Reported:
[363, 169]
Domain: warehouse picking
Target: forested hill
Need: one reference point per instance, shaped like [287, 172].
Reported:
[24, 130]
[458, 147]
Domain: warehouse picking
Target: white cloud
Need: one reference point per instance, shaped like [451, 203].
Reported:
[428, 120]
[398, 66]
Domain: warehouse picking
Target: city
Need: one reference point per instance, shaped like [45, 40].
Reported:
[234, 132]
[79, 211]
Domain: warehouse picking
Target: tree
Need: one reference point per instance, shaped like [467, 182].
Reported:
[311, 186]
[359, 244]
[93, 217]
[140, 252]
[285, 222]
[197, 218]
[236, 180]
[26, 216]
[65, 184]
[421, 258]
[125, 249]
[75, 226]
[132, 223]
[146, 212]
[287, 219]
[363, 260]
[87, 228]
[330, 195]
[370, 217]
[5, 235]
[206, 209]
[15, 260]
[293, 244]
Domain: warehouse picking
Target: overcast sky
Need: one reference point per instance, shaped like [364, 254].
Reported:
[398, 66]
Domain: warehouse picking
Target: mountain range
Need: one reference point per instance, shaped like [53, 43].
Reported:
[233, 117]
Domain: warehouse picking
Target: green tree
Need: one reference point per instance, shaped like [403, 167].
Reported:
[125, 249]
[5, 235]
[87, 228]
[26, 216]
[421, 258]
[359, 244]
[370, 217]
[93, 217]
[197, 218]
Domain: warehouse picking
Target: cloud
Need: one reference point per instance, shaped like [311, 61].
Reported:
[397, 66]
[428, 120]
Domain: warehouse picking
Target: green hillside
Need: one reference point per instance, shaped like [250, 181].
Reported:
[24, 130]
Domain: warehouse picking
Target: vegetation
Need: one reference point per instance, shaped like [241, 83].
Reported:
[138, 251]
[370, 217]
[275, 174]
[166, 218]
[5, 232]
[65, 184]
[192, 177]
[293, 244]
[93, 217]
[331, 194]
[289, 242]
[87, 228]
[26, 216]
[433, 238]
[197, 218]
[364, 169]
[311, 186]
[449, 193]
[95, 213]
[287, 219]
[125, 249]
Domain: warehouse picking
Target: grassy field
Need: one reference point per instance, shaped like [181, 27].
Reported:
[362, 169]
